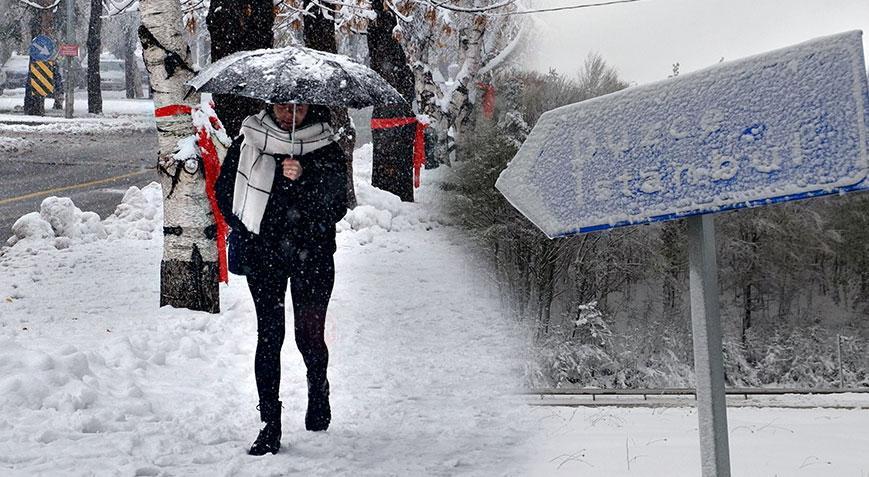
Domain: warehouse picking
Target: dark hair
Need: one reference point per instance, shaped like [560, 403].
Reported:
[316, 114]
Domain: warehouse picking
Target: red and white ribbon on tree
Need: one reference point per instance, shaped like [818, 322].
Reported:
[488, 100]
[208, 128]
[418, 143]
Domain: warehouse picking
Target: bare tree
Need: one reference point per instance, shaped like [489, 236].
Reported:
[455, 49]
[94, 47]
[237, 26]
[319, 28]
[392, 168]
[119, 36]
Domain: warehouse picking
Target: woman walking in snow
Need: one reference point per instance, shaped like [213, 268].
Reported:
[282, 188]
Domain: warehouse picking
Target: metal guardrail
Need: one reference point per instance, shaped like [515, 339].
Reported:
[595, 392]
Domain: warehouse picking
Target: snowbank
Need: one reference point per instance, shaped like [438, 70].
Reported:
[33, 126]
[139, 215]
[59, 223]
[14, 144]
[378, 211]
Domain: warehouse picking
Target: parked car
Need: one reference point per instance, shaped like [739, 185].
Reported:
[112, 73]
[16, 70]
[112, 76]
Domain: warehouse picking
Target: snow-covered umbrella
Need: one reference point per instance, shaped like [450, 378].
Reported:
[296, 75]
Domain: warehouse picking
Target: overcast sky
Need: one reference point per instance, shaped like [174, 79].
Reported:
[642, 40]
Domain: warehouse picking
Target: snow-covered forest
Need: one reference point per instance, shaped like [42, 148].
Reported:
[610, 309]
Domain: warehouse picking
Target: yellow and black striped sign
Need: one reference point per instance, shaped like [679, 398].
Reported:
[42, 77]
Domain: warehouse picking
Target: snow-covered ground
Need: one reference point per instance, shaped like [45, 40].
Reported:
[115, 103]
[663, 442]
[119, 114]
[14, 144]
[19, 127]
[95, 379]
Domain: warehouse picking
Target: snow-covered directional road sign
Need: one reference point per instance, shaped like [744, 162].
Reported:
[784, 125]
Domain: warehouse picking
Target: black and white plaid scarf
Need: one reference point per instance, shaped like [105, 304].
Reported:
[263, 139]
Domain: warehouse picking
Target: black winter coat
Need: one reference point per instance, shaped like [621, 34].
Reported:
[298, 225]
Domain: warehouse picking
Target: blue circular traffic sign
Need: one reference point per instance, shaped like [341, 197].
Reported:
[42, 48]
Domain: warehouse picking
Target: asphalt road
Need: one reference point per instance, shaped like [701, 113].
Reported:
[93, 170]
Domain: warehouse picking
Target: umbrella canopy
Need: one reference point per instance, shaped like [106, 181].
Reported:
[296, 75]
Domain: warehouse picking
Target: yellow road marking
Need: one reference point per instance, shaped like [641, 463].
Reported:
[70, 187]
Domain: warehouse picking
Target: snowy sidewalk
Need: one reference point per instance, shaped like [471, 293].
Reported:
[95, 379]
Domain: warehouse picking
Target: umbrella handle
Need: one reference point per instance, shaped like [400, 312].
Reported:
[284, 182]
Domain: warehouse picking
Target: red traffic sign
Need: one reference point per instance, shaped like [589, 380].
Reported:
[68, 49]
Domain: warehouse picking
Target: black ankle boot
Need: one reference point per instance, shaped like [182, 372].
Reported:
[319, 414]
[269, 438]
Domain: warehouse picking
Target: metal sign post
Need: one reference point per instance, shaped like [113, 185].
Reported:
[708, 358]
[785, 125]
[69, 95]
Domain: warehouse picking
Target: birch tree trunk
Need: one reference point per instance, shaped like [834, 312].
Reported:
[450, 108]
[461, 103]
[189, 269]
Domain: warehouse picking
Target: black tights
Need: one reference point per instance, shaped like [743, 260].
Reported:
[310, 288]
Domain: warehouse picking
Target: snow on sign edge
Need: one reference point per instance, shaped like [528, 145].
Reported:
[526, 198]
[521, 194]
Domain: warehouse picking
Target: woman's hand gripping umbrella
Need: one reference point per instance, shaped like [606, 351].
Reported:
[282, 188]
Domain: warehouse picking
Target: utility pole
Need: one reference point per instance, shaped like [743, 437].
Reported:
[69, 103]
